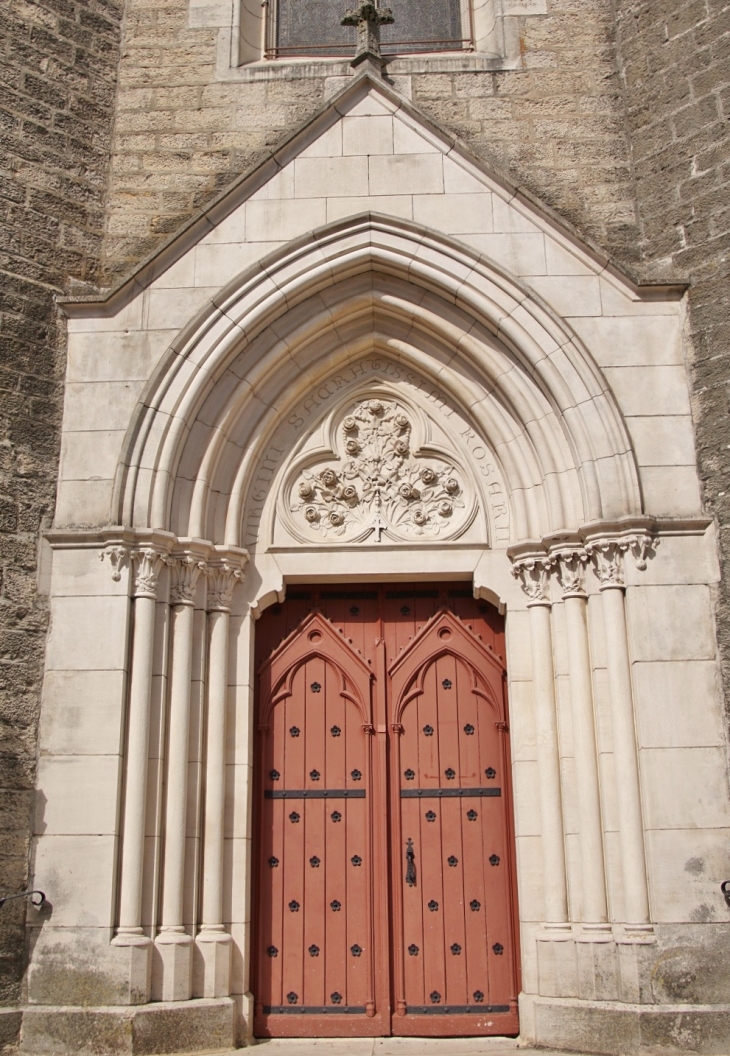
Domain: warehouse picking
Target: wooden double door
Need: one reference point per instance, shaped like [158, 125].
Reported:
[384, 887]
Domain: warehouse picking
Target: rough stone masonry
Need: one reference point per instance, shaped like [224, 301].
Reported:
[58, 71]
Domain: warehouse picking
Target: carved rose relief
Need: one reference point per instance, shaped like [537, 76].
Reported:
[378, 484]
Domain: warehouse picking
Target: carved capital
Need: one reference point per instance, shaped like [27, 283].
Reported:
[570, 564]
[608, 558]
[186, 569]
[147, 564]
[118, 556]
[533, 574]
[640, 545]
[224, 572]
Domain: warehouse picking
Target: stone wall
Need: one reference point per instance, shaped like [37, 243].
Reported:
[674, 58]
[58, 62]
[556, 126]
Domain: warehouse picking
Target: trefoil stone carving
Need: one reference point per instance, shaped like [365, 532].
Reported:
[379, 485]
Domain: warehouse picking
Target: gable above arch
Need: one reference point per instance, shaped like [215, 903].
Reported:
[487, 298]
[370, 148]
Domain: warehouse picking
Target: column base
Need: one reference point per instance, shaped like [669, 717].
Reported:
[555, 933]
[245, 1013]
[557, 964]
[172, 970]
[212, 976]
[609, 1027]
[594, 933]
[161, 1027]
[138, 948]
[637, 933]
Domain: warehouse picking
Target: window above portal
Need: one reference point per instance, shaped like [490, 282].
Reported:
[313, 28]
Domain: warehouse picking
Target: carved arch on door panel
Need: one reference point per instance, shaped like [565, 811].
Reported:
[316, 637]
[452, 638]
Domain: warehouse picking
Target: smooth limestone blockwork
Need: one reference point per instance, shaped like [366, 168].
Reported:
[373, 360]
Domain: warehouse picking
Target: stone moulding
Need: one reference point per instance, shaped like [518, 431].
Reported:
[548, 459]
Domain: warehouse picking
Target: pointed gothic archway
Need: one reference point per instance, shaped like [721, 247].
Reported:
[257, 392]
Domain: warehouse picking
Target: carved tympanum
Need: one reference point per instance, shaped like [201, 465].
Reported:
[378, 483]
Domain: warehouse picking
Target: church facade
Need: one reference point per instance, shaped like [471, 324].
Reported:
[383, 688]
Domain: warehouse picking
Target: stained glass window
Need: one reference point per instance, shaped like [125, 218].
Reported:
[312, 27]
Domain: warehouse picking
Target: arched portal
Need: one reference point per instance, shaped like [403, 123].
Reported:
[373, 405]
[373, 401]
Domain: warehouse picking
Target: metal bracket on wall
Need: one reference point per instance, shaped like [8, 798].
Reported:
[25, 894]
[725, 888]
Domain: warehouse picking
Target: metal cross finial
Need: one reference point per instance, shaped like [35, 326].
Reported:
[368, 18]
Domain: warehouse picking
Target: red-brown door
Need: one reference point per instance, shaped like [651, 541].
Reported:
[384, 896]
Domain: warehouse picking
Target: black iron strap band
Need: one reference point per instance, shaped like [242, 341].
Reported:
[438, 793]
[314, 793]
[454, 1010]
[314, 1010]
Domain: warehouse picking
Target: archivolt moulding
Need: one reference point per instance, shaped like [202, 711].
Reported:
[373, 283]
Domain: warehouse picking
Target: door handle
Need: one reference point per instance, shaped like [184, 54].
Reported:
[411, 867]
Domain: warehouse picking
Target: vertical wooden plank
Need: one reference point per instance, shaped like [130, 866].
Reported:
[430, 825]
[382, 965]
[335, 919]
[294, 840]
[448, 686]
[358, 872]
[320, 679]
[273, 850]
[473, 866]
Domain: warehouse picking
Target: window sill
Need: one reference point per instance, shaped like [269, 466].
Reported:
[294, 69]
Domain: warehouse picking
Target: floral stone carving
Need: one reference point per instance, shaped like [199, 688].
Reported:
[378, 484]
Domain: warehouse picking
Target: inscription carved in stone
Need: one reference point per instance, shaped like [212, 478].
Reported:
[379, 484]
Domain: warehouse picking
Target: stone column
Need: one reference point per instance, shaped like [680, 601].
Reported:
[146, 564]
[213, 940]
[173, 942]
[608, 557]
[570, 563]
[533, 577]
